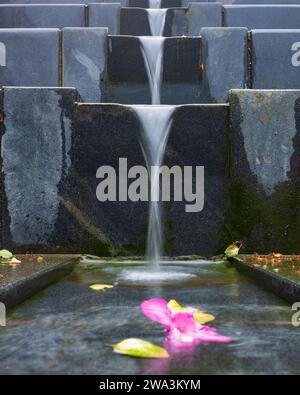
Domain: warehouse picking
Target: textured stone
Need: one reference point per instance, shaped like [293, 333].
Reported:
[263, 16]
[17, 283]
[127, 77]
[134, 22]
[43, 16]
[225, 62]
[35, 157]
[265, 170]
[178, 22]
[105, 15]
[84, 61]
[101, 135]
[193, 141]
[53, 1]
[29, 57]
[203, 15]
[276, 59]
[262, 2]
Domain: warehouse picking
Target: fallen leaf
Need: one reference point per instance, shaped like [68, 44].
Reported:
[140, 349]
[14, 261]
[201, 317]
[101, 287]
[40, 259]
[5, 254]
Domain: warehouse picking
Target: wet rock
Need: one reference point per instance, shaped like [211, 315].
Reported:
[29, 57]
[41, 16]
[265, 170]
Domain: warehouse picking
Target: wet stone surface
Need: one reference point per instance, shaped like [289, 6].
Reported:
[42, 16]
[67, 328]
[29, 265]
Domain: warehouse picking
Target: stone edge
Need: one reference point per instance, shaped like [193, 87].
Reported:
[18, 291]
[280, 286]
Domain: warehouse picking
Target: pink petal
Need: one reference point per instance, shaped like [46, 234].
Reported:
[157, 310]
[184, 322]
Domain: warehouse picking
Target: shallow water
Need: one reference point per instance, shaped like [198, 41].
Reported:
[67, 329]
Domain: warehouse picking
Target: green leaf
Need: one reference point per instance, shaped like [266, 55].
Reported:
[140, 348]
[5, 254]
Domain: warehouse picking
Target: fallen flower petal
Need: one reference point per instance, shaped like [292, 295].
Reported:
[183, 324]
[157, 310]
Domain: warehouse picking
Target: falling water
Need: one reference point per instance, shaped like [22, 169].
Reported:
[156, 123]
[154, 3]
[157, 20]
[153, 51]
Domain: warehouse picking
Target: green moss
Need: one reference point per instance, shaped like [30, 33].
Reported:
[275, 218]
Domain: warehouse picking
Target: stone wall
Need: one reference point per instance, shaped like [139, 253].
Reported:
[52, 146]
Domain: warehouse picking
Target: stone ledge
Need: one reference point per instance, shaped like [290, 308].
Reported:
[280, 286]
[23, 286]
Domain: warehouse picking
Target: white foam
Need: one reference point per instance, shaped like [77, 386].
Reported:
[153, 277]
[156, 122]
[157, 19]
[152, 51]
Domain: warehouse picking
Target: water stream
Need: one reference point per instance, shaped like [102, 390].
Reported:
[153, 51]
[156, 122]
[157, 18]
[154, 3]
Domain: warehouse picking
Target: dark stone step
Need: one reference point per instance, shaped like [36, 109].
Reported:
[21, 281]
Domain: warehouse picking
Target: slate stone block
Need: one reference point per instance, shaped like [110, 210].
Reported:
[29, 57]
[203, 15]
[138, 4]
[127, 77]
[84, 61]
[262, 16]
[224, 61]
[52, 1]
[105, 15]
[134, 22]
[276, 59]
[193, 141]
[265, 158]
[41, 16]
[102, 134]
[258, 1]
[36, 143]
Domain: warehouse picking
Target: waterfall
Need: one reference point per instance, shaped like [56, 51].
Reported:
[153, 51]
[157, 20]
[156, 122]
[154, 3]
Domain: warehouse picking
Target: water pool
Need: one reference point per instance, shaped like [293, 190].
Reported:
[66, 329]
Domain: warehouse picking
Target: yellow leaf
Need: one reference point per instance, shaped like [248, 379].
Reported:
[14, 260]
[202, 318]
[174, 306]
[101, 287]
[199, 316]
[233, 249]
[140, 348]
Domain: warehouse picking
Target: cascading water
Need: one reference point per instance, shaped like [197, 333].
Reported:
[156, 122]
[154, 3]
[157, 20]
[153, 51]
